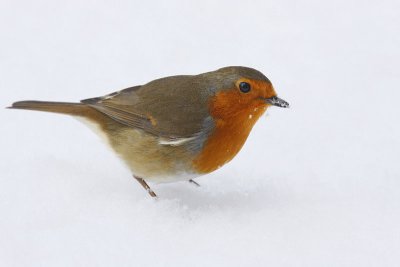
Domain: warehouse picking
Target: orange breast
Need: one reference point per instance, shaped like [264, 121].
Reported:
[234, 118]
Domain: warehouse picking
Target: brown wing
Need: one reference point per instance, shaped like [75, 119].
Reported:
[172, 108]
[117, 106]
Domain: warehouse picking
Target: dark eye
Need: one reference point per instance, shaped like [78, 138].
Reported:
[244, 87]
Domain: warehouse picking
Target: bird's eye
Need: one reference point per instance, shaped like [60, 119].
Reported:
[244, 87]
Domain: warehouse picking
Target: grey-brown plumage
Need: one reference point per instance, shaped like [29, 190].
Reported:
[149, 107]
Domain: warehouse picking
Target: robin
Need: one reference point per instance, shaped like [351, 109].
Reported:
[179, 127]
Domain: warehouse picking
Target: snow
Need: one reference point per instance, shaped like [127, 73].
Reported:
[315, 185]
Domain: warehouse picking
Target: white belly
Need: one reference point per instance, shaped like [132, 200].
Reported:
[145, 155]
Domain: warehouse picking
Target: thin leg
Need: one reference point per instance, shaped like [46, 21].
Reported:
[194, 182]
[145, 186]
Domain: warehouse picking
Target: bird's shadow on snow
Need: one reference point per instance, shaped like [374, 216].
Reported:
[215, 197]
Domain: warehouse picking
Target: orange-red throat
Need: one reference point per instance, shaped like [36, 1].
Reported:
[235, 113]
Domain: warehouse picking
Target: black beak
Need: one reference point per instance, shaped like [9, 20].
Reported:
[276, 101]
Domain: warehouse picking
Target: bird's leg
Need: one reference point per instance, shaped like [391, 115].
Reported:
[194, 182]
[145, 186]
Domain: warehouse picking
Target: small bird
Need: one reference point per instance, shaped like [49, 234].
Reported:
[179, 127]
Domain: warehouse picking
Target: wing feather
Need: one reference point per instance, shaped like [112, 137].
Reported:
[173, 109]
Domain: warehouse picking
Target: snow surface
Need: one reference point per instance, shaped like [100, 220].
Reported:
[315, 185]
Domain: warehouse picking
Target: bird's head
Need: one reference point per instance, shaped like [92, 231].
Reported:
[241, 92]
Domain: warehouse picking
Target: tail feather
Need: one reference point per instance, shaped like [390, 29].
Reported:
[76, 109]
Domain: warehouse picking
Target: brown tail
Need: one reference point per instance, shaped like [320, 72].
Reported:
[76, 109]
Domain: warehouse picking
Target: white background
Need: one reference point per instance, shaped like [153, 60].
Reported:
[315, 185]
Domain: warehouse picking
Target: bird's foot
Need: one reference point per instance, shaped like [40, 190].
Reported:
[194, 182]
[145, 186]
